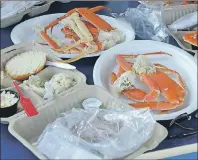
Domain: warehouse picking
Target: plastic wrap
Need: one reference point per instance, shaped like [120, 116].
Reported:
[146, 22]
[96, 134]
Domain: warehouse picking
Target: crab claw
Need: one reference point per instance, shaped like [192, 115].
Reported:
[161, 106]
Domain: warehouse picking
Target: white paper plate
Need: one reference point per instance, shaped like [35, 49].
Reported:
[24, 31]
[180, 61]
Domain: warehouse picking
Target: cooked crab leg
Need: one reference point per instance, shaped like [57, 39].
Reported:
[167, 70]
[51, 42]
[134, 94]
[146, 54]
[153, 87]
[164, 69]
[83, 32]
[167, 2]
[95, 20]
[91, 10]
[162, 106]
[73, 59]
[191, 38]
[113, 77]
[120, 71]
[66, 30]
[91, 28]
[174, 93]
[98, 8]
[126, 66]
[185, 3]
[53, 23]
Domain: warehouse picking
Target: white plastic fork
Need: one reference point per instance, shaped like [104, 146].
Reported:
[60, 65]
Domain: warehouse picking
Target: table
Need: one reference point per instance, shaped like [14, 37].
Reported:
[12, 148]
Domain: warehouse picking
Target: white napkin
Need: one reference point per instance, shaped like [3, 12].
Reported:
[10, 8]
[185, 22]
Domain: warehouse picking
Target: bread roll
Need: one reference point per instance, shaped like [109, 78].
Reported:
[25, 64]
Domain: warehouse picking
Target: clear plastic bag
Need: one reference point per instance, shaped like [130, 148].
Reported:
[96, 134]
[147, 22]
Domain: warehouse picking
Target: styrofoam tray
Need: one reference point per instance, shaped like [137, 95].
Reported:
[173, 11]
[48, 112]
[31, 12]
[178, 36]
[180, 61]
[45, 74]
[12, 51]
[170, 15]
[18, 35]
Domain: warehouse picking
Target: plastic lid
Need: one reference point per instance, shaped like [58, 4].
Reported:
[91, 104]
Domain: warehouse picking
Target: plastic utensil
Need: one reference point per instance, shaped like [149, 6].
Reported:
[26, 103]
[60, 65]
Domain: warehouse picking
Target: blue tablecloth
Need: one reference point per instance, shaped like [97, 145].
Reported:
[13, 149]
[191, 156]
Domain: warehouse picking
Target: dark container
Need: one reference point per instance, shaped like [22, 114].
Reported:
[10, 110]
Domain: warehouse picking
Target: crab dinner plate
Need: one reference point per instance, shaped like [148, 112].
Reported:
[18, 35]
[180, 61]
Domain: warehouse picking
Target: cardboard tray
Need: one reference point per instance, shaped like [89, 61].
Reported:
[12, 51]
[30, 12]
[49, 111]
[45, 74]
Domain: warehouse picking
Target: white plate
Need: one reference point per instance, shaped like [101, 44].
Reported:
[24, 31]
[180, 61]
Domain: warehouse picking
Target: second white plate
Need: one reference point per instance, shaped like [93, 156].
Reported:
[180, 61]
[25, 32]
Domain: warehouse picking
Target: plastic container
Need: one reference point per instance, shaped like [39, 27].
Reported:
[48, 112]
[45, 74]
[31, 12]
[10, 110]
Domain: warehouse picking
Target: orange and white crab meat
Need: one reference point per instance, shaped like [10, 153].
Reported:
[155, 76]
[191, 38]
[89, 32]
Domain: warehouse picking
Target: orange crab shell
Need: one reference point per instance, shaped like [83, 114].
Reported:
[191, 38]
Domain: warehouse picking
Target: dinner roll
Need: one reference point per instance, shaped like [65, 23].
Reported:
[25, 64]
